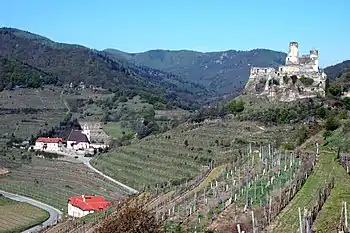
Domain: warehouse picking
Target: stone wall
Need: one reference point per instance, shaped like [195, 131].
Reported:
[288, 85]
[299, 78]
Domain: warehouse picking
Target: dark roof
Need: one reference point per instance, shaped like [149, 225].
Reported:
[77, 136]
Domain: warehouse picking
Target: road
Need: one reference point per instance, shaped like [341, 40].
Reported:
[129, 189]
[86, 161]
[55, 214]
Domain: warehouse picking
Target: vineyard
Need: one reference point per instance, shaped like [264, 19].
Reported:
[16, 216]
[53, 182]
[257, 181]
[25, 112]
[48, 98]
[184, 152]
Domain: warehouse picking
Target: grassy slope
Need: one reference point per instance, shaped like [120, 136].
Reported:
[53, 182]
[115, 130]
[159, 159]
[329, 216]
[288, 221]
[16, 216]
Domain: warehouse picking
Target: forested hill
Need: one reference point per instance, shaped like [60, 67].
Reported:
[17, 73]
[75, 63]
[335, 71]
[223, 72]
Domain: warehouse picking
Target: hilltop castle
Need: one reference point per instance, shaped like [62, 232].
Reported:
[300, 77]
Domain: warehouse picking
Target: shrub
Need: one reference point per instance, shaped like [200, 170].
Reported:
[327, 134]
[343, 115]
[123, 99]
[131, 217]
[288, 146]
[236, 106]
[346, 128]
[302, 135]
[186, 142]
[332, 124]
[306, 81]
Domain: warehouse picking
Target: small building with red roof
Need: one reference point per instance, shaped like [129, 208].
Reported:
[79, 206]
[49, 144]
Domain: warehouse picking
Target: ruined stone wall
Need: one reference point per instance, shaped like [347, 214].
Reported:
[288, 85]
[299, 78]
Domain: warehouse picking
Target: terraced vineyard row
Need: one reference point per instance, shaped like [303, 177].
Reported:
[53, 182]
[179, 154]
[246, 182]
[16, 216]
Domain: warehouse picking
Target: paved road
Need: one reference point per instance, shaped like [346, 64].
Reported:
[129, 189]
[86, 161]
[55, 214]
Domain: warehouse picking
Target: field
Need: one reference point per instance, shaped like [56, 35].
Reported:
[17, 216]
[53, 182]
[115, 130]
[184, 152]
[25, 112]
[48, 98]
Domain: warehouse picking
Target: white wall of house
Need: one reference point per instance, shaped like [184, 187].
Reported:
[76, 212]
[69, 144]
[80, 145]
[49, 146]
[96, 146]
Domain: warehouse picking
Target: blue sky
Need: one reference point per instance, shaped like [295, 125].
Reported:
[207, 25]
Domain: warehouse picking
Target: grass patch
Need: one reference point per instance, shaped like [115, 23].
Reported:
[328, 166]
[116, 130]
[16, 216]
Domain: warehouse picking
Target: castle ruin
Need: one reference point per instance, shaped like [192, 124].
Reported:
[299, 78]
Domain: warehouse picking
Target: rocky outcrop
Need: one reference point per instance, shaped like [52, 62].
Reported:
[290, 82]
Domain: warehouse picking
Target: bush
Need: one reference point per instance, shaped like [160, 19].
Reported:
[335, 89]
[123, 99]
[302, 135]
[306, 81]
[332, 124]
[236, 106]
[346, 127]
[131, 217]
[327, 134]
[288, 146]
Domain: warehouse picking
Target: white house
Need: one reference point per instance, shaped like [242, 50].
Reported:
[49, 144]
[78, 139]
[80, 206]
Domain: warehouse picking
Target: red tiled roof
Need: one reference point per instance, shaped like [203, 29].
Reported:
[49, 140]
[86, 202]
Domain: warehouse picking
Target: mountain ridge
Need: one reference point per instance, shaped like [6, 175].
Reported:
[75, 63]
[224, 72]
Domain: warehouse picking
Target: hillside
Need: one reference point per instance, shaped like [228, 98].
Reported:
[225, 72]
[14, 72]
[74, 63]
[334, 71]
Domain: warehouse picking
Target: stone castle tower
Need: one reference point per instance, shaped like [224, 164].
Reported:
[275, 82]
[293, 54]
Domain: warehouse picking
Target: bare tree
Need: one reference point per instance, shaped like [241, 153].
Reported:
[131, 217]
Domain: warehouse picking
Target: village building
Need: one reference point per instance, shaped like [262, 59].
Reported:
[49, 144]
[79, 140]
[79, 206]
